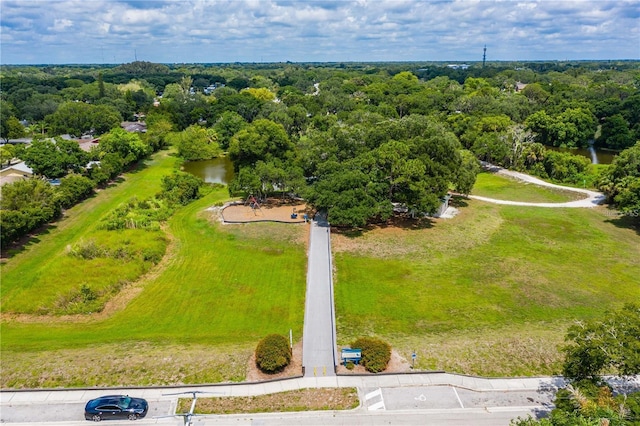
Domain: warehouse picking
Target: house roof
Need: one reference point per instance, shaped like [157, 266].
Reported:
[15, 172]
[20, 167]
[134, 126]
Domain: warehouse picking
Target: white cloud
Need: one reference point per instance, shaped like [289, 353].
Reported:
[317, 30]
[61, 24]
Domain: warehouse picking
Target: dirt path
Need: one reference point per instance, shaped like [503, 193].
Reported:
[592, 199]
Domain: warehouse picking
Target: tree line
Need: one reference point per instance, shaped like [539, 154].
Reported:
[353, 139]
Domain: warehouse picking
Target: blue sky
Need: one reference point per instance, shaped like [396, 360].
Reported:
[119, 31]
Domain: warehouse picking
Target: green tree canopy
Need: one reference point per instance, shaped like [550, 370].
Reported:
[615, 133]
[24, 206]
[609, 346]
[10, 126]
[77, 118]
[227, 125]
[261, 140]
[621, 181]
[195, 143]
[55, 158]
[129, 146]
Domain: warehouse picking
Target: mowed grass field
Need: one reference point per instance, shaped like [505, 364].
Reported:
[194, 318]
[34, 279]
[496, 186]
[490, 291]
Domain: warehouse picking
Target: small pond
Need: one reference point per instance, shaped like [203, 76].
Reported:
[217, 170]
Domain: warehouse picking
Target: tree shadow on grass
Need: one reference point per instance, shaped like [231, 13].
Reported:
[113, 183]
[458, 201]
[25, 242]
[398, 221]
[137, 167]
[625, 221]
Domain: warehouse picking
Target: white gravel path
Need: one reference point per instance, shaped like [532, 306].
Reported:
[592, 199]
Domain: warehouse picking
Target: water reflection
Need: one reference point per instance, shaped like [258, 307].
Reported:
[217, 170]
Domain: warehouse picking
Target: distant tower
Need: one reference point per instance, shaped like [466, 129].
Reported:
[484, 55]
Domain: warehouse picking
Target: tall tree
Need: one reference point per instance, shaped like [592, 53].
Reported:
[196, 143]
[128, 146]
[7, 153]
[610, 346]
[615, 133]
[54, 159]
[621, 181]
[261, 140]
[76, 118]
[227, 125]
[12, 129]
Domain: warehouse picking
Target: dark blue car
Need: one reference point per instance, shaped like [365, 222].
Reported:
[115, 407]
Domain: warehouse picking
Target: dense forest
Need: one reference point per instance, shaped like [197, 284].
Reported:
[353, 139]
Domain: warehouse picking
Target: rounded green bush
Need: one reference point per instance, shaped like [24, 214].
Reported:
[375, 353]
[273, 354]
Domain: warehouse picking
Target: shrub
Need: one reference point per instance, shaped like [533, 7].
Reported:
[180, 188]
[73, 189]
[273, 354]
[375, 353]
[86, 250]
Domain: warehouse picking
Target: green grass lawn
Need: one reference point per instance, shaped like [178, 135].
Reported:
[504, 188]
[36, 278]
[491, 274]
[219, 286]
[489, 292]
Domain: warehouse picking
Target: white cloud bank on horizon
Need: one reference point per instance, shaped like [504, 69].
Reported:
[202, 31]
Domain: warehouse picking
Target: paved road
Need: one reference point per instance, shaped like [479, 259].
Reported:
[475, 417]
[400, 399]
[404, 399]
[319, 335]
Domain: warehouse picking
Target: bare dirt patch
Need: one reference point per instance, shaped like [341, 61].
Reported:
[397, 364]
[278, 210]
[254, 374]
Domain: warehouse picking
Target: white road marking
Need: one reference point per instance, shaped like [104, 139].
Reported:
[458, 396]
[376, 405]
[377, 392]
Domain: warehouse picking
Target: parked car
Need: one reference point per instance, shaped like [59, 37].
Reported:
[115, 407]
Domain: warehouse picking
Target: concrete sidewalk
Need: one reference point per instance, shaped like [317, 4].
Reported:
[473, 383]
[434, 398]
[261, 388]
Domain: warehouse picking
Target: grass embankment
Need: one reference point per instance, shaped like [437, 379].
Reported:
[500, 187]
[43, 277]
[488, 292]
[197, 319]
